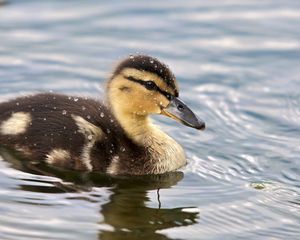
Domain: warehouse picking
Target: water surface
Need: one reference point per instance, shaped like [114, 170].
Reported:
[237, 63]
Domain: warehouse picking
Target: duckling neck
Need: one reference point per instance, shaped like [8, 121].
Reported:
[137, 127]
[165, 153]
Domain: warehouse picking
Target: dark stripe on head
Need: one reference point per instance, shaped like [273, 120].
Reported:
[149, 64]
[169, 96]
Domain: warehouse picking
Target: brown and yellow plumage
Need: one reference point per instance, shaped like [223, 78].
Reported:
[115, 136]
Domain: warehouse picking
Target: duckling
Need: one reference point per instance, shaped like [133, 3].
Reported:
[115, 135]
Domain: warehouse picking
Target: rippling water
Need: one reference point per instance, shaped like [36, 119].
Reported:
[237, 63]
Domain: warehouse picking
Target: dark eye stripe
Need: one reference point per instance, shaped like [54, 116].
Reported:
[150, 85]
[155, 88]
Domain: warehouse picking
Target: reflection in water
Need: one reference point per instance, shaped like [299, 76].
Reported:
[126, 214]
[127, 211]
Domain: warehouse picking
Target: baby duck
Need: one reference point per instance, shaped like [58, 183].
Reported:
[115, 137]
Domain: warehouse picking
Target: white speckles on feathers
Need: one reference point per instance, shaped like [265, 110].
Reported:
[16, 124]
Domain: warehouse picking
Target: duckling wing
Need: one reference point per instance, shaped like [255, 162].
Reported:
[90, 131]
[59, 129]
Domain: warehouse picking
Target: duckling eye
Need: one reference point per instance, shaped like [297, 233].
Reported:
[150, 85]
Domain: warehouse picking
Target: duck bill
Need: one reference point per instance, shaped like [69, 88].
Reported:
[179, 111]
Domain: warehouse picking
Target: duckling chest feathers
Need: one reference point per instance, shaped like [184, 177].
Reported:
[159, 154]
[166, 155]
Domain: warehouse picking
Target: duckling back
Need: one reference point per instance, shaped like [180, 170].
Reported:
[62, 130]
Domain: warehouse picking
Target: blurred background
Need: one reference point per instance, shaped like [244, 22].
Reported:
[237, 64]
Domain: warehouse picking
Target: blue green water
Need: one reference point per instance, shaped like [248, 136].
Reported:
[237, 63]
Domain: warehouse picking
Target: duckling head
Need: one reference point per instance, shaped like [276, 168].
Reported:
[142, 85]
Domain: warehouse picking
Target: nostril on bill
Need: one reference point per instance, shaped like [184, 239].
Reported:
[180, 107]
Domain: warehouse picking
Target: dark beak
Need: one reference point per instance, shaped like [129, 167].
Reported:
[181, 112]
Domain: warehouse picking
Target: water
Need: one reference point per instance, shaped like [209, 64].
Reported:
[237, 63]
